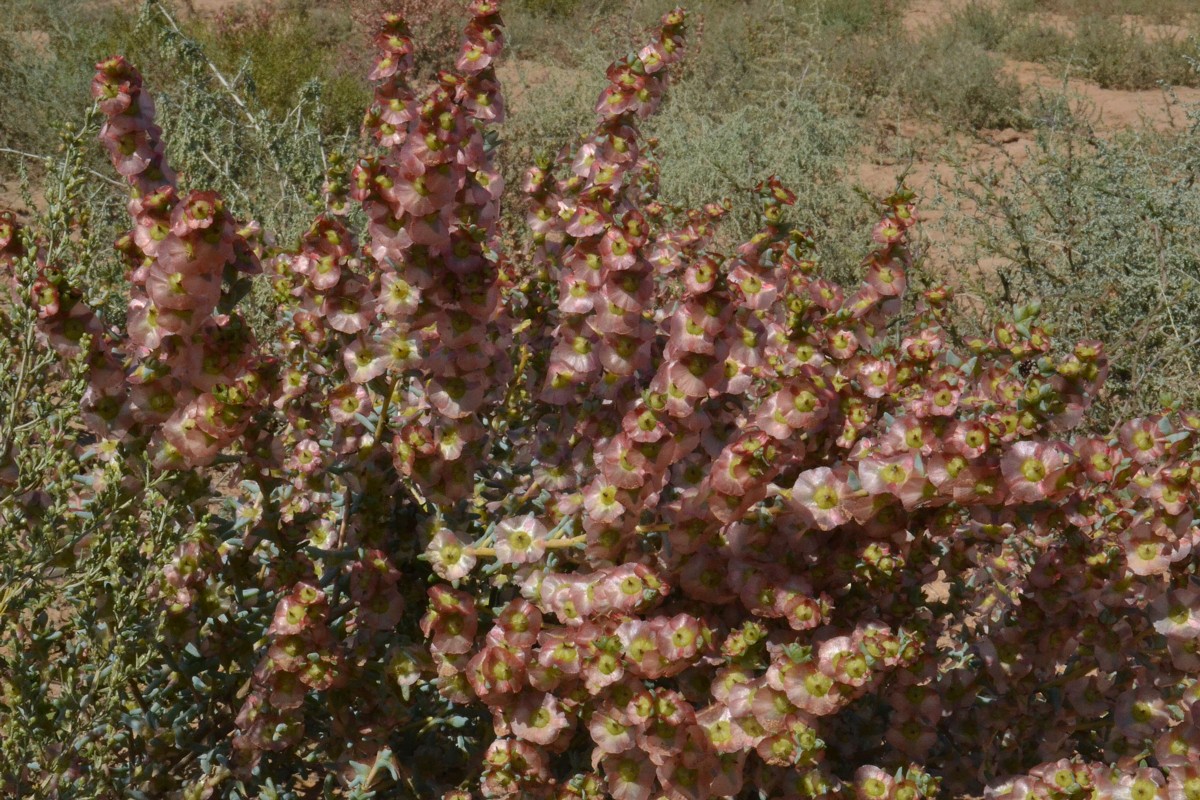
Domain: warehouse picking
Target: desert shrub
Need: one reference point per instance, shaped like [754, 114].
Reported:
[1159, 11]
[964, 84]
[553, 8]
[850, 16]
[1012, 31]
[613, 511]
[1103, 233]
[1102, 47]
[985, 24]
[1118, 56]
[944, 75]
[1032, 41]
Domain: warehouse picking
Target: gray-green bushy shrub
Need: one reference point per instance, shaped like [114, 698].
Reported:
[1105, 233]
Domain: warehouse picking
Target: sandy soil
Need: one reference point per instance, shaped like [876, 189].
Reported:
[928, 160]
[1109, 109]
[10, 199]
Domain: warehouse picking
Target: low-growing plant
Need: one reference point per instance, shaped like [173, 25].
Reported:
[1109, 50]
[983, 23]
[1160, 11]
[969, 89]
[605, 512]
[555, 8]
[943, 75]
[849, 16]
[1118, 56]
[1031, 41]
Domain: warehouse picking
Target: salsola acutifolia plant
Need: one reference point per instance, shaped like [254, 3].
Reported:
[610, 514]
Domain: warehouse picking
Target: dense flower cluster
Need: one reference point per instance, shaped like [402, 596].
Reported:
[183, 372]
[622, 515]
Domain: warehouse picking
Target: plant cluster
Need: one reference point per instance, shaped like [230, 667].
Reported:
[610, 513]
[1101, 44]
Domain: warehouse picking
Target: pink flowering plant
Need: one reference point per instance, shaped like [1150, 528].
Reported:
[606, 512]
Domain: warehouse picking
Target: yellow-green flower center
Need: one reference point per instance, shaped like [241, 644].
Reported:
[826, 498]
[1033, 470]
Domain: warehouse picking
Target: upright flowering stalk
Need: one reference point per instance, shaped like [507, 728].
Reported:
[133, 141]
[593, 234]
[181, 378]
[662, 479]
[433, 200]
[395, 352]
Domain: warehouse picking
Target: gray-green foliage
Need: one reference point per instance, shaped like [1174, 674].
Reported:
[969, 88]
[267, 164]
[1105, 232]
[1096, 44]
[753, 101]
[76, 600]
[943, 75]
[75, 610]
[269, 168]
